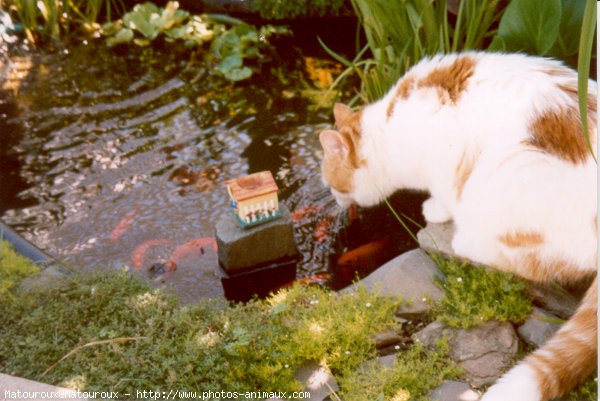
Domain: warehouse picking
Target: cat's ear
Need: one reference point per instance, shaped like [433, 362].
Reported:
[341, 112]
[333, 143]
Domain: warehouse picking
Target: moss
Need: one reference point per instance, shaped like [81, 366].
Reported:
[588, 391]
[474, 295]
[13, 268]
[412, 376]
[139, 337]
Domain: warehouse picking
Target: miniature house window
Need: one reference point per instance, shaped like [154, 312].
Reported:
[254, 199]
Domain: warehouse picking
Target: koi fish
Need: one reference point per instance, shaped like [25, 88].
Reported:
[303, 212]
[315, 279]
[322, 229]
[195, 246]
[139, 253]
[362, 255]
[123, 226]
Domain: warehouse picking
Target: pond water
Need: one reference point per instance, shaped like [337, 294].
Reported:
[114, 157]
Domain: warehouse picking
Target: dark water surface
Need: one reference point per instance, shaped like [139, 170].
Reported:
[119, 157]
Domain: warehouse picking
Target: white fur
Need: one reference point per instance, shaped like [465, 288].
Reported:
[519, 384]
[513, 187]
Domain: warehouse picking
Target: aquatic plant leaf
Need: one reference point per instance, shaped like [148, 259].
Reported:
[238, 74]
[111, 28]
[124, 35]
[140, 22]
[529, 25]
[177, 32]
[229, 63]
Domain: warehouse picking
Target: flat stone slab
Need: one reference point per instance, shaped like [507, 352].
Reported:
[317, 380]
[17, 388]
[240, 248]
[437, 238]
[484, 351]
[411, 276]
[539, 327]
[452, 390]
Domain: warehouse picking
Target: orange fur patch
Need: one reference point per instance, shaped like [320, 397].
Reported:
[571, 355]
[520, 239]
[337, 170]
[560, 134]
[402, 92]
[532, 267]
[450, 81]
[463, 171]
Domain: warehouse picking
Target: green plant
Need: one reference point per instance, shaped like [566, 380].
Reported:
[400, 33]
[50, 18]
[13, 268]
[411, 377]
[277, 9]
[232, 42]
[112, 332]
[474, 295]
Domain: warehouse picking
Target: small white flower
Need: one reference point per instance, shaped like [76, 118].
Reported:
[368, 304]
[347, 352]
[396, 347]
[459, 279]
[286, 366]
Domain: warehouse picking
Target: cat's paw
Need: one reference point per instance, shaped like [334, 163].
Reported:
[435, 212]
[519, 384]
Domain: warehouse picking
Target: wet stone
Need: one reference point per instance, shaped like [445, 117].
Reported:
[452, 390]
[241, 248]
[484, 351]
[539, 327]
[411, 276]
[385, 338]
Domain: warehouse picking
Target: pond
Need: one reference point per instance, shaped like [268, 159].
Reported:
[118, 157]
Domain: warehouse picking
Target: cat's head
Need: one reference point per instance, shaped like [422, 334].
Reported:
[344, 168]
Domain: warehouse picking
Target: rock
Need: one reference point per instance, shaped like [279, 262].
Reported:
[385, 338]
[437, 238]
[452, 390]
[318, 380]
[554, 299]
[485, 351]
[411, 276]
[50, 278]
[539, 327]
[388, 360]
[241, 248]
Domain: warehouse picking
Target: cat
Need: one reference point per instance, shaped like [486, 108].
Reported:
[497, 141]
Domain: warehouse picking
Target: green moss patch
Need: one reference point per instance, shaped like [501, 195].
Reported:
[112, 331]
[474, 295]
[13, 268]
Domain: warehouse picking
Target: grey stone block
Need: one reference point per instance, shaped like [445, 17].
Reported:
[411, 276]
[437, 238]
[317, 380]
[539, 327]
[484, 351]
[240, 248]
[452, 390]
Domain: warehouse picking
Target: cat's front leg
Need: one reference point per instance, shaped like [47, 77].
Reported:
[519, 384]
[435, 211]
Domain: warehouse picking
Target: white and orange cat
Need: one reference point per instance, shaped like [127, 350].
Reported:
[497, 141]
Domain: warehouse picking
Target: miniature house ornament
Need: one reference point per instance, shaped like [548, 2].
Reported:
[254, 199]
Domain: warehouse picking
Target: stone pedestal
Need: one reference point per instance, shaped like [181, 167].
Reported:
[256, 260]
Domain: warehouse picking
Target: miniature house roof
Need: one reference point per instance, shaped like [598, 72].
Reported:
[251, 186]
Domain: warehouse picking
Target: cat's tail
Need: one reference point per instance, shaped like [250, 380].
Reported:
[564, 361]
